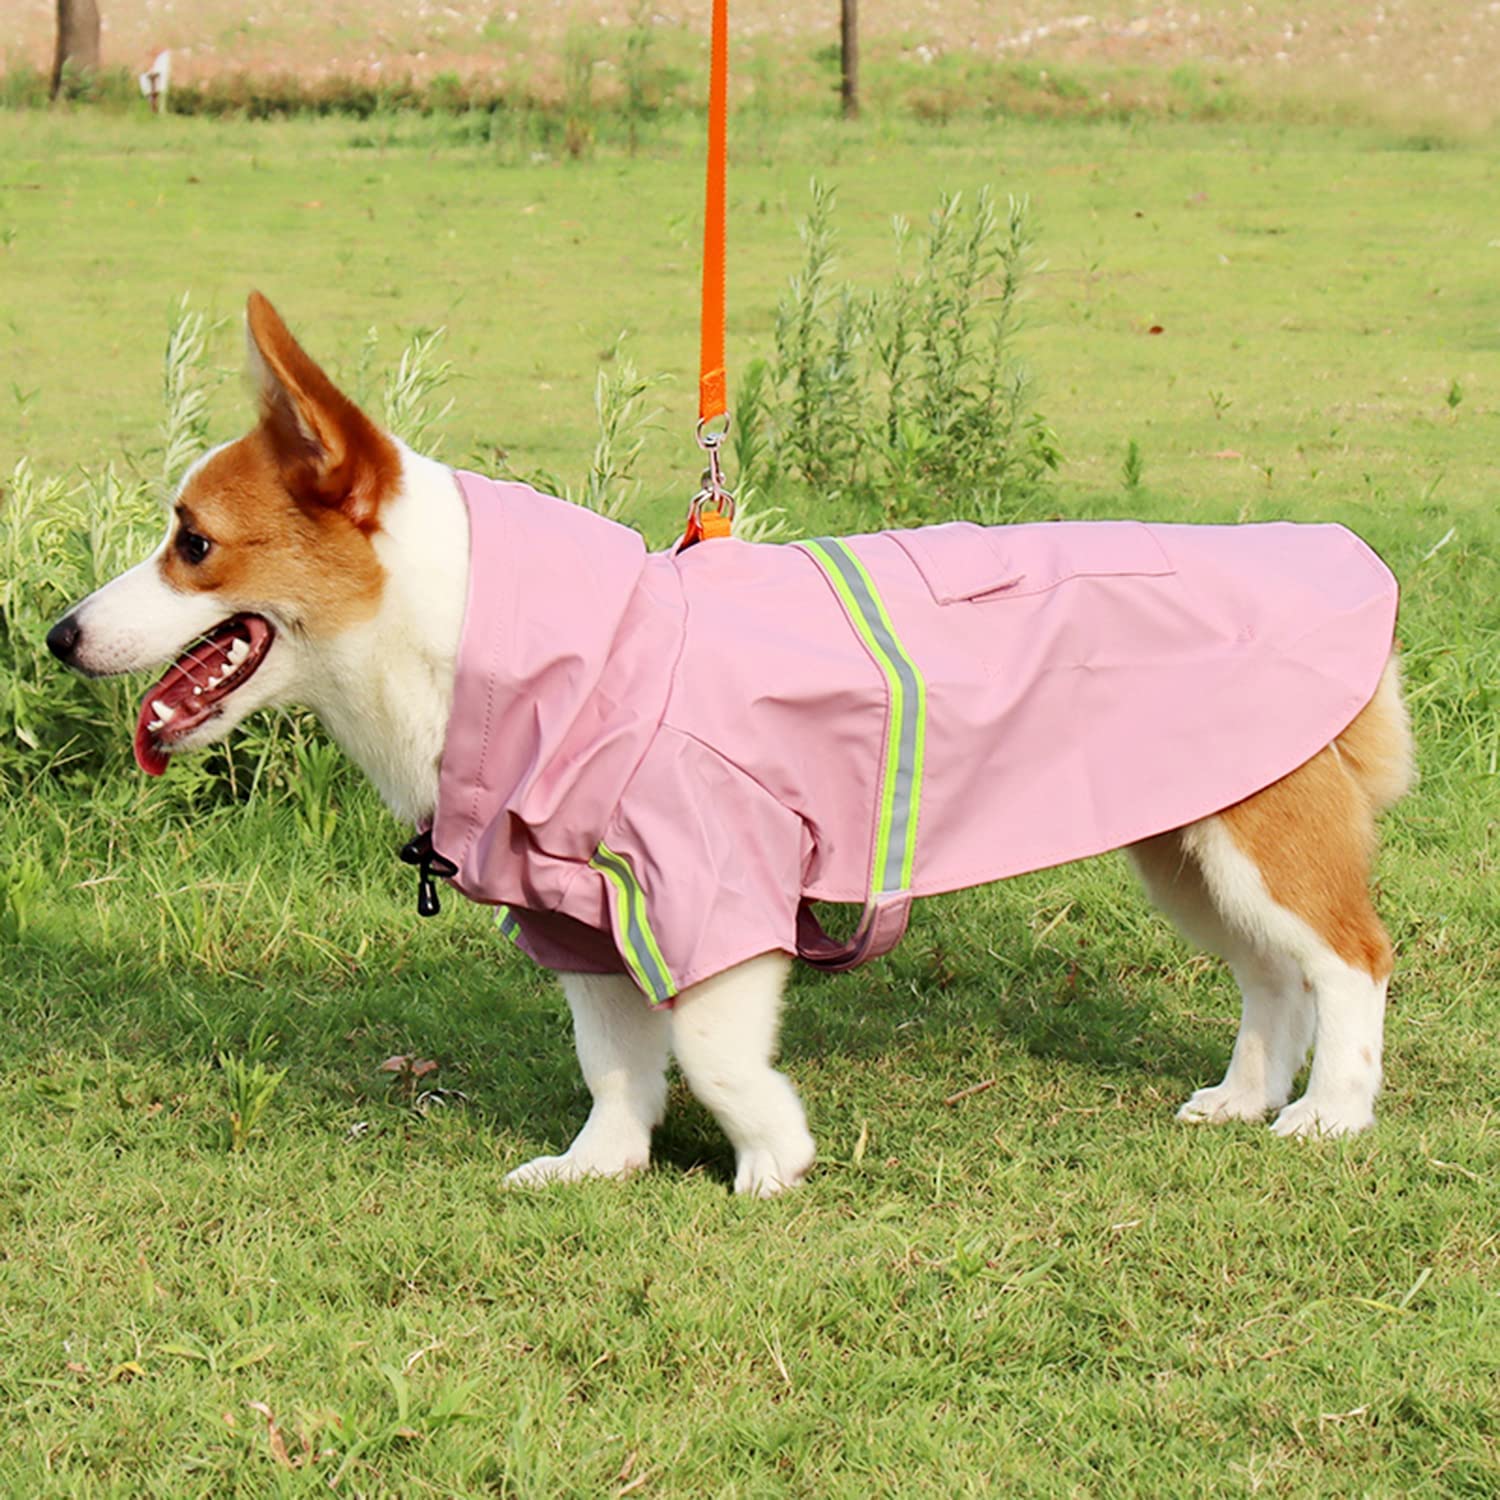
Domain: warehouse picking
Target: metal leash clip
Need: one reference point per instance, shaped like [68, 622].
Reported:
[713, 498]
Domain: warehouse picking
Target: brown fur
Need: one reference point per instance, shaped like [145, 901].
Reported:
[290, 507]
[1311, 835]
[307, 559]
[1377, 747]
[328, 450]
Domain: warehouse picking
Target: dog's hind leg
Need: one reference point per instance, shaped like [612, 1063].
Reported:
[1294, 862]
[724, 1035]
[622, 1050]
[1276, 1013]
[1279, 884]
[1260, 871]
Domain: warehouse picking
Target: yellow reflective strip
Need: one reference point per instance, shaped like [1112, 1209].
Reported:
[634, 926]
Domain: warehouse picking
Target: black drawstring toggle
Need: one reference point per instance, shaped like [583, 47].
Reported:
[429, 863]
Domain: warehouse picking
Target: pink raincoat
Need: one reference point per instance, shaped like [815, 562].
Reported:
[655, 761]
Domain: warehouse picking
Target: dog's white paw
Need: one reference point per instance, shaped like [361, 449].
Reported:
[1222, 1102]
[1310, 1117]
[573, 1166]
[763, 1171]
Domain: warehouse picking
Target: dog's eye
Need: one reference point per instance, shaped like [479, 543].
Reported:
[191, 547]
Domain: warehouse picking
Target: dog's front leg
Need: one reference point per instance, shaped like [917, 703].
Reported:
[724, 1035]
[622, 1049]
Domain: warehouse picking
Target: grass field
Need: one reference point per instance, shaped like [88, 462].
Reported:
[1046, 1288]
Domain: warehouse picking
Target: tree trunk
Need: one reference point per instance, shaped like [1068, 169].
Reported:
[849, 52]
[77, 40]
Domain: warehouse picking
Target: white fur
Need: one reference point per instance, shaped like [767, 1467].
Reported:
[385, 688]
[138, 621]
[1276, 1027]
[1294, 988]
[724, 1034]
[622, 1050]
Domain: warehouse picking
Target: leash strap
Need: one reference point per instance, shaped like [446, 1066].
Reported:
[711, 512]
[713, 395]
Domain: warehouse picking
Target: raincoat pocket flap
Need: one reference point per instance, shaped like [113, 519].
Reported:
[963, 562]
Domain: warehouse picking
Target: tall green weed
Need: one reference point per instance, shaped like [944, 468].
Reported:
[910, 394]
[185, 388]
[413, 403]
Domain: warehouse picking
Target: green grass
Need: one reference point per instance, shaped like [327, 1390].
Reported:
[1047, 1288]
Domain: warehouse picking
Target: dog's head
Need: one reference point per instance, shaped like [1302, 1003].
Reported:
[268, 555]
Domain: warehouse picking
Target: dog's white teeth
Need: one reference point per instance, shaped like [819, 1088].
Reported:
[164, 712]
[154, 725]
[197, 692]
[213, 682]
[238, 651]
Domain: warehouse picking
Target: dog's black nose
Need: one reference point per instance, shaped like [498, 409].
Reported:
[62, 639]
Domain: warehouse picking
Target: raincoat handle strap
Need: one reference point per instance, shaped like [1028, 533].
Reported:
[881, 926]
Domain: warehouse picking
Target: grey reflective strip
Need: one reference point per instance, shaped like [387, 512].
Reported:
[910, 725]
[637, 941]
[508, 924]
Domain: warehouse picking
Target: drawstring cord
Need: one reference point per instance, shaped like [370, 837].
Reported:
[429, 863]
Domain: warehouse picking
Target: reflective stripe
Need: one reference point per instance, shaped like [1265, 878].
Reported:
[906, 721]
[633, 928]
[506, 919]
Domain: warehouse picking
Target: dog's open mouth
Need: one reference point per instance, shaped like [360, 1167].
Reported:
[192, 688]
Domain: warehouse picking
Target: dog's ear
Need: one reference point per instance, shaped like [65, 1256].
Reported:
[329, 452]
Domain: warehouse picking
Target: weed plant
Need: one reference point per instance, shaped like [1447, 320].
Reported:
[251, 1086]
[413, 403]
[640, 103]
[625, 422]
[184, 395]
[59, 541]
[579, 62]
[909, 396]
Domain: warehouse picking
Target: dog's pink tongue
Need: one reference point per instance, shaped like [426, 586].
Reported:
[148, 755]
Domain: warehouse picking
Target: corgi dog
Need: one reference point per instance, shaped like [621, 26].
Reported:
[318, 561]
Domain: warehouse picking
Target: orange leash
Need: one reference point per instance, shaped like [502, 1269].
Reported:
[712, 510]
[712, 393]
